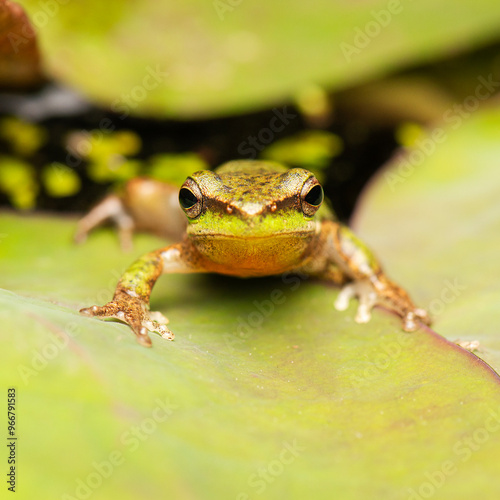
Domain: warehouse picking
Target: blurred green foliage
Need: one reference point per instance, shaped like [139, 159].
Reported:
[24, 138]
[310, 149]
[109, 158]
[17, 180]
[60, 180]
[174, 168]
[205, 59]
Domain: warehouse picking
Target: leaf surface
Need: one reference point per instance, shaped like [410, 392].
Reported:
[253, 399]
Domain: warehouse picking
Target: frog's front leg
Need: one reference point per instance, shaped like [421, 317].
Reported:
[368, 282]
[130, 302]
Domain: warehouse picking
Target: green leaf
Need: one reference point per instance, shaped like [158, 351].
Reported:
[433, 215]
[267, 391]
[60, 180]
[202, 59]
[17, 180]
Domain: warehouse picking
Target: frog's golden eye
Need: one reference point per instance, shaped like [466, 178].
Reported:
[311, 196]
[191, 199]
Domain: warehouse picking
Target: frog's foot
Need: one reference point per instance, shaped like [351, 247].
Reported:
[385, 294]
[134, 312]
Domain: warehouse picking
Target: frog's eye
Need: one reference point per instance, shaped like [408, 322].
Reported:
[314, 196]
[191, 199]
[311, 196]
[187, 198]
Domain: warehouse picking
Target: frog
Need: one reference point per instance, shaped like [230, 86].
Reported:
[253, 218]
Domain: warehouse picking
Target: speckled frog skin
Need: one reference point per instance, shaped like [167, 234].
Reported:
[252, 218]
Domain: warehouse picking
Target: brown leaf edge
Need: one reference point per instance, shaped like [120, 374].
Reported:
[20, 64]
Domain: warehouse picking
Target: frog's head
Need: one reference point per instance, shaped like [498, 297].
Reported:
[248, 212]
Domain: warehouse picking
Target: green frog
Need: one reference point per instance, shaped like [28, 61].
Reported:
[254, 218]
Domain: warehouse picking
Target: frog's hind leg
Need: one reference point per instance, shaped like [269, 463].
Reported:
[110, 208]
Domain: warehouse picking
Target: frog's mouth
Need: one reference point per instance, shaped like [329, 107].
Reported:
[214, 225]
[250, 237]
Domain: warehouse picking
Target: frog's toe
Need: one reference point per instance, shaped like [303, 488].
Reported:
[344, 297]
[88, 311]
[115, 310]
[143, 337]
[99, 311]
[367, 299]
[158, 317]
[137, 324]
[409, 323]
[166, 333]
[423, 316]
[363, 314]
[153, 325]
[412, 320]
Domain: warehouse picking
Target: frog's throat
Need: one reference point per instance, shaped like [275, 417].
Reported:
[255, 255]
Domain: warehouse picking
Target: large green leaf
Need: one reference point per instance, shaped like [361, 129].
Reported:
[203, 58]
[252, 400]
[444, 208]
